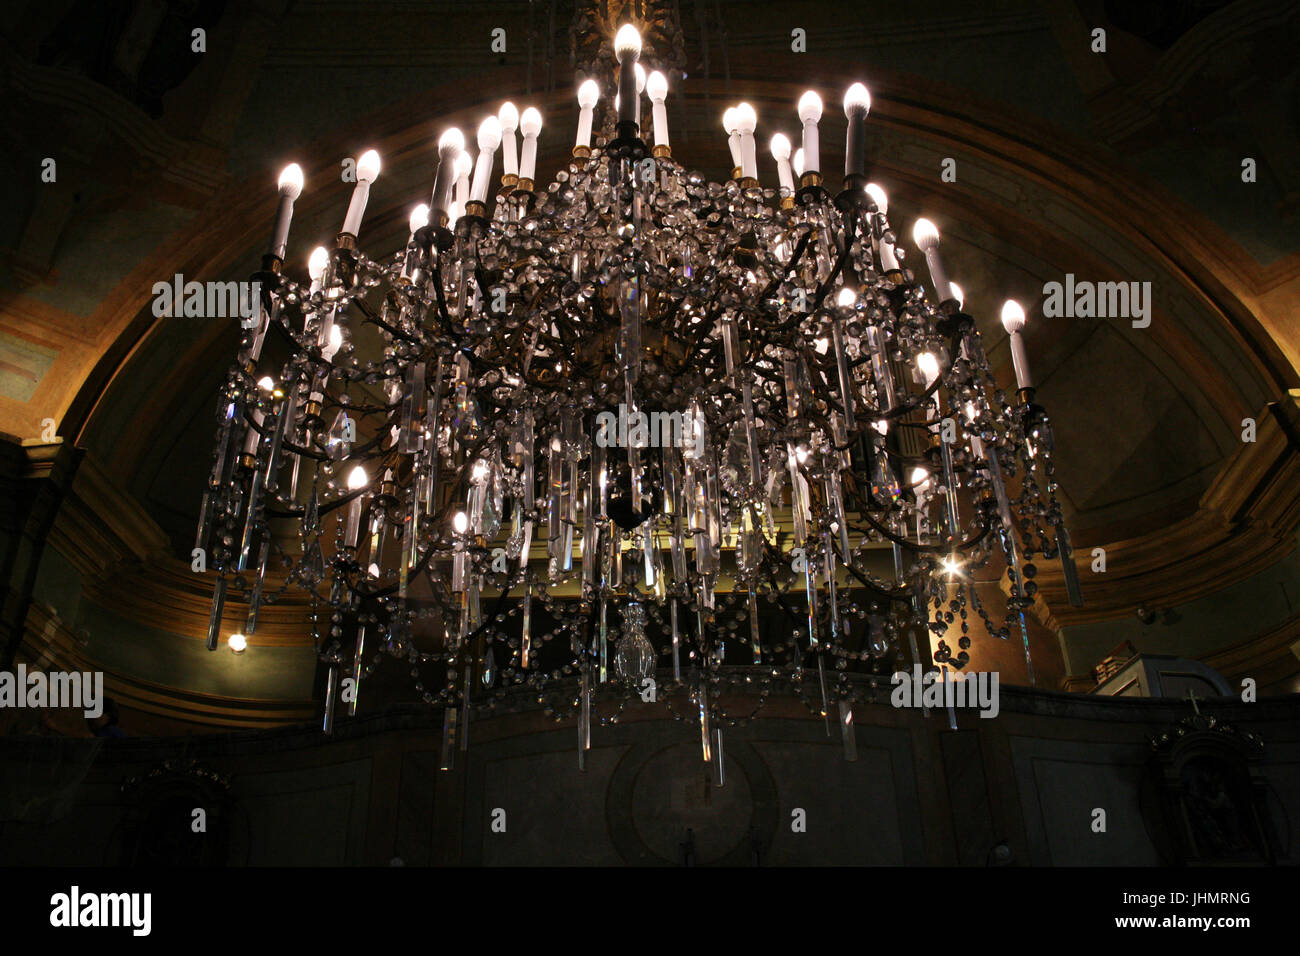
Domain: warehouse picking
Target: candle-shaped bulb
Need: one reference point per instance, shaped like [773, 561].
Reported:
[368, 167]
[1013, 316]
[957, 294]
[656, 87]
[266, 383]
[878, 197]
[419, 218]
[627, 43]
[857, 101]
[530, 124]
[920, 480]
[730, 124]
[810, 107]
[796, 161]
[588, 94]
[460, 522]
[847, 298]
[357, 478]
[925, 235]
[489, 133]
[746, 118]
[780, 147]
[316, 263]
[290, 183]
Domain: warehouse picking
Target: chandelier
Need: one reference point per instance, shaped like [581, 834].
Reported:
[570, 440]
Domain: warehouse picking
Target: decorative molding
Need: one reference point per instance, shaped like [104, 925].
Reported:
[1245, 522]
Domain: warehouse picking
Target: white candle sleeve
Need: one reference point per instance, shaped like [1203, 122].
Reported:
[510, 164]
[584, 127]
[528, 159]
[888, 261]
[283, 216]
[733, 143]
[356, 208]
[1020, 360]
[942, 290]
[748, 156]
[482, 175]
[660, 113]
[786, 177]
[811, 149]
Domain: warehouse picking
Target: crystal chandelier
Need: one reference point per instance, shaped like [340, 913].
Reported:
[573, 438]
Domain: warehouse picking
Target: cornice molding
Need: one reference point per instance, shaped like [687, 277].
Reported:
[1245, 522]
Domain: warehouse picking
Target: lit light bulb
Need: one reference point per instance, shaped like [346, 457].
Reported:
[357, 478]
[957, 294]
[368, 167]
[1013, 316]
[419, 218]
[878, 197]
[810, 107]
[929, 366]
[796, 161]
[508, 116]
[925, 234]
[730, 123]
[589, 93]
[489, 133]
[780, 147]
[290, 183]
[920, 479]
[316, 263]
[857, 101]
[460, 522]
[627, 42]
[451, 144]
[746, 118]
[656, 87]
[951, 565]
[639, 72]
[266, 383]
[464, 163]
[238, 643]
[530, 124]
[336, 343]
